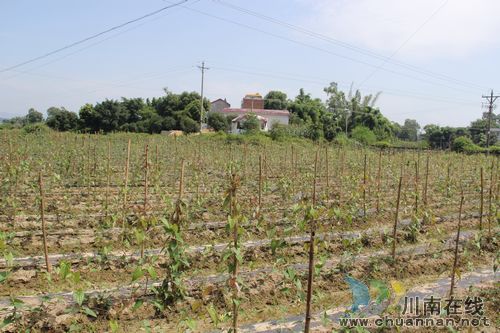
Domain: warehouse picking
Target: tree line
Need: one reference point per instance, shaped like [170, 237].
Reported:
[341, 115]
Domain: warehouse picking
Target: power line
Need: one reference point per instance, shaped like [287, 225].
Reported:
[319, 48]
[348, 46]
[92, 37]
[403, 44]
[394, 92]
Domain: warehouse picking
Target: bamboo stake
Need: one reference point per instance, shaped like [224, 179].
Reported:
[145, 207]
[481, 204]
[394, 230]
[455, 259]
[42, 216]
[260, 184]
[125, 187]
[157, 163]
[108, 178]
[379, 170]
[233, 213]
[426, 180]
[327, 175]
[146, 174]
[448, 181]
[364, 190]
[416, 187]
[181, 182]
[311, 254]
[490, 197]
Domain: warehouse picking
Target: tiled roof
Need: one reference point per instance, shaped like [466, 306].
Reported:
[257, 111]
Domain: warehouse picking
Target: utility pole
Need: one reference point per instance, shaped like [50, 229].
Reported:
[203, 68]
[491, 100]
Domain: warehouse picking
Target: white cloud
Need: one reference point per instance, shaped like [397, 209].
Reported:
[458, 29]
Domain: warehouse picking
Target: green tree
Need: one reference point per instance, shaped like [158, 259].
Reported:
[251, 123]
[275, 100]
[34, 116]
[305, 109]
[217, 122]
[409, 130]
[61, 119]
[478, 129]
[363, 134]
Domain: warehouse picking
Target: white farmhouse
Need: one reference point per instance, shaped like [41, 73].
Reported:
[254, 104]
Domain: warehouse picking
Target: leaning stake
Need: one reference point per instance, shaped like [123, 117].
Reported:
[394, 230]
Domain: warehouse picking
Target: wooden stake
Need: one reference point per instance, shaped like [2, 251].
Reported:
[426, 180]
[146, 173]
[379, 171]
[416, 187]
[145, 207]
[311, 254]
[455, 259]
[490, 199]
[260, 184]
[181, 182]
[364, 189]
[125, 187]
[481, 203]
[448, 181]
[394, 230]
[42, 217]
[327, 174]
[234, 214]
[108, 178]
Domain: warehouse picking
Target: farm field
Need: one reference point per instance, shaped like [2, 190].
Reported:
[136, 232]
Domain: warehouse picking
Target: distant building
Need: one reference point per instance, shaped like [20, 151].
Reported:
[218, 105]
[251, 103]
[237, 123]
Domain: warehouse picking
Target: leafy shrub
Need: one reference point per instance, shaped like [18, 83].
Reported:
[463, 144]
[251, 123]
[341, 139]
[188, 125]
[382, 144]
[495, 150]
[364, 135]
[36, 128]
[313, 132]
[279, 132]
[218, 122]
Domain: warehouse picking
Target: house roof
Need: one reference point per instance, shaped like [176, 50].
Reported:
[243, 116]
[262, 112]
[219, 99]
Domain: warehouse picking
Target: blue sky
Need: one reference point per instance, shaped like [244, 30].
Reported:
[451, 46]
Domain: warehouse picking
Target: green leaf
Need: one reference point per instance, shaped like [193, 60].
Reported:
[137, 304]
[113, 326]
[79, 296]
[213, 315]
[3, 276]
[89, 312]
[152, 272]
[383, 292]
[16, 303]
[137, 274]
